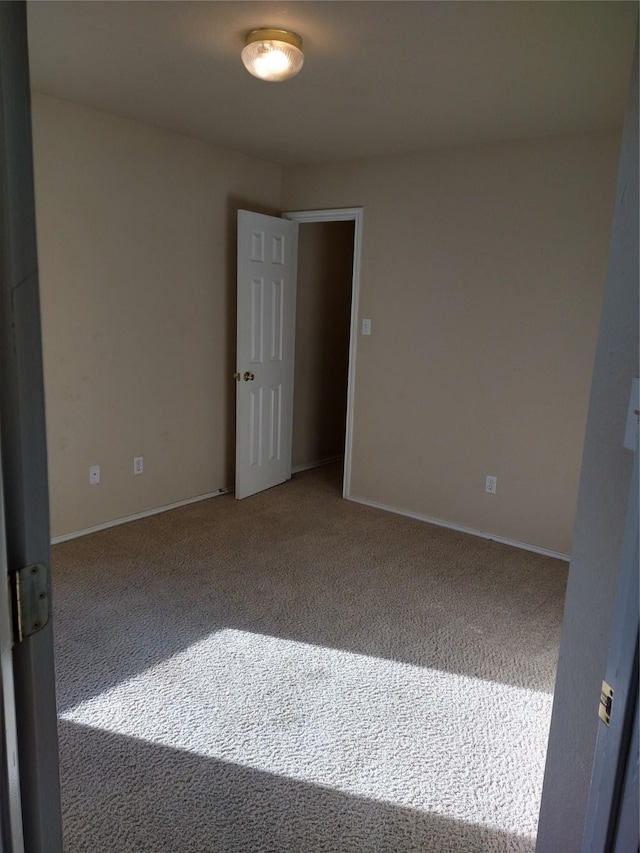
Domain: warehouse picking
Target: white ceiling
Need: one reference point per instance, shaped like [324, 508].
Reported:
[379, 77]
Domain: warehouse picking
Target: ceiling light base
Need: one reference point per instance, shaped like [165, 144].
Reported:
[273, 55]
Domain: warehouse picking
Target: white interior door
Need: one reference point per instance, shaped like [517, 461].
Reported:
[267, 267]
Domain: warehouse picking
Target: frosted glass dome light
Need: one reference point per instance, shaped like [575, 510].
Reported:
[273, 55]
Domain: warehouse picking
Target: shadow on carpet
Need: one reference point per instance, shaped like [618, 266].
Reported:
[127, 806]
[294, 672]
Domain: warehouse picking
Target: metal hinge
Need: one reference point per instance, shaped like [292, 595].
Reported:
[606, 702]
[30, 599]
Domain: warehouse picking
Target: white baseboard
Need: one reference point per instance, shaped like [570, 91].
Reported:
[117, 521]
[55, 540]
[481, 533]
[296, 470]
[307, 465]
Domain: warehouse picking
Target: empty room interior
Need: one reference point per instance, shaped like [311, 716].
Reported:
[363, 656]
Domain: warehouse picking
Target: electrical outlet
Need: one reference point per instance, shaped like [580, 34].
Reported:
[138, 465]
[94, 475]
[491, 484]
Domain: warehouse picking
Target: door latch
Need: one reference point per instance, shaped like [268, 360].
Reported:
[606, 702]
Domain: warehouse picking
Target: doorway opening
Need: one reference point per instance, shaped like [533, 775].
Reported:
[326, 334]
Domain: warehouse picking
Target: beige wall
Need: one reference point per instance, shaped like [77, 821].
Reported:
[136, 241]
[482, 271]
[325, 262]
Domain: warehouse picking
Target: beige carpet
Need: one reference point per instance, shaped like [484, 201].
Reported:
[295, 672]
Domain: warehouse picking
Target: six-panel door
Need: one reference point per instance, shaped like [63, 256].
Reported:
[267, 266]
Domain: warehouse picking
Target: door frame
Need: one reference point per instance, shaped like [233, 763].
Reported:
[12, 831]
[344, 214]
[23, 455]
[614, 751]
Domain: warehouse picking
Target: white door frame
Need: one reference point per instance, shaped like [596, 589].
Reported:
[344, 214]
[614, 756]
[25, 537]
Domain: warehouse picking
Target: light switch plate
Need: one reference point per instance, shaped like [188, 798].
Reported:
[366, 327]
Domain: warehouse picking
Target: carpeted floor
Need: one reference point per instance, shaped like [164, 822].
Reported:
[294, 672]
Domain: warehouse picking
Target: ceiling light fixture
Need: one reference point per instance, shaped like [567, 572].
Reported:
[273, 55]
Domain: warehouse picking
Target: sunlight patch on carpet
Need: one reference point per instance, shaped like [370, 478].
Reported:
[464, 748]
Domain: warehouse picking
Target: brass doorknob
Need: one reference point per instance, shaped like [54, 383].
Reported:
[248, 377]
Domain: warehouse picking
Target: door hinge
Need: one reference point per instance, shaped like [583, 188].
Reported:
[30, 599]
[606, 703]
